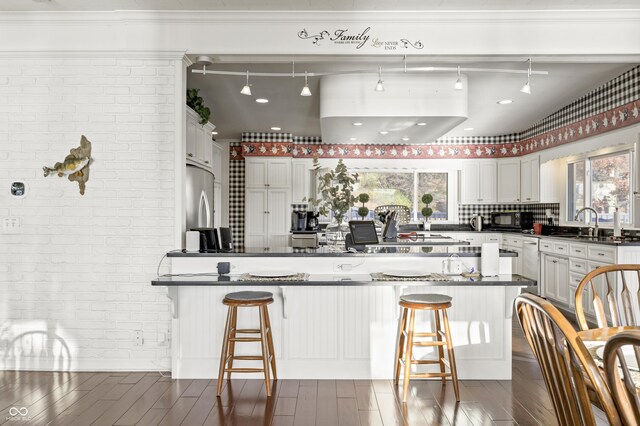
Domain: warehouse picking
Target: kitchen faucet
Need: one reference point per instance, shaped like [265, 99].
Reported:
[594, 212]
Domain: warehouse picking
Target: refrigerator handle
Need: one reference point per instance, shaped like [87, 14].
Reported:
[204, 211]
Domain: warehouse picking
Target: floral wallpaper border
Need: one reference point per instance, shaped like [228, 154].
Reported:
[613, 119]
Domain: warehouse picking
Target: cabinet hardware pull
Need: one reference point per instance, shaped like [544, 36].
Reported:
[190, 154]
[600, 254]
[206, 161]
[554, 261]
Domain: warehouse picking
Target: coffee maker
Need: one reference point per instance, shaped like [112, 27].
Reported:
[312, 221]
[299, 217]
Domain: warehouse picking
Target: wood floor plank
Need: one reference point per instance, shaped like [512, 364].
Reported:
[289, 388]
[178, 412]
[53, 410]
[153, 416]
[345, 389]
[248, 398]
[285, 406]
[196, 388]
[370, 418]
[133, 378]
[203, 406]
[389, 410]
[327, 403]
[265, 406]
[431, 412]
[218, 415]
[139, 408]
[306, 405]
[476, 413]
[382, 386]
[366, 397]
[116, 392]
[172, 394]
[348, 412]
[282, 421]
[89, 416]
[121, 406]
[309, 383]
[230, 392]
[91, 398]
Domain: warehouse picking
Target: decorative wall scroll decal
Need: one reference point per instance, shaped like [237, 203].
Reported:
[358, 39]
[75, 165]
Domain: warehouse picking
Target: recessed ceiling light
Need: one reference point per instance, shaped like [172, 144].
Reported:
[468, 128]
[505, 101]
[262, 100]
[357, 123]
[405, 139]
[422, 124]
[352, 139]
[214, 133]
[383, 132]
[276, 128]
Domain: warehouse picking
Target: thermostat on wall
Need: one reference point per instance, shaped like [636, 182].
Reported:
[19, 189]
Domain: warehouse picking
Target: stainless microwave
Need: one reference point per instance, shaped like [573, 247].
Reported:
[512, 220]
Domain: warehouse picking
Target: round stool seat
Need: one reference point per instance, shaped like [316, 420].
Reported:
[249, 296]
[426, 299]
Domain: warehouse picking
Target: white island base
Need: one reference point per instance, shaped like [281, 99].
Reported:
[342, 331]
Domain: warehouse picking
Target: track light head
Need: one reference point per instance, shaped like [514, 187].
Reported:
[458, 83]
[527, 86]
[379, 86]
[305, 90]
[246, 90]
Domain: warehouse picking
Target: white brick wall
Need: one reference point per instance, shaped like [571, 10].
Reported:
[75, 284]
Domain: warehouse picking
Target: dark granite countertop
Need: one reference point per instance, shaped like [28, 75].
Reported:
[330, 251]
[506, 280]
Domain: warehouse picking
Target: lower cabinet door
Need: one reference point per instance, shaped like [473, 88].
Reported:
[562, 279]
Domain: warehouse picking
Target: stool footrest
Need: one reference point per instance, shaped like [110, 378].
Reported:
[434, 343]
[244, 339]
[433, 334]
[428, 375]
[425, 361]
[246, 330]
[244, 370]
[247, 357]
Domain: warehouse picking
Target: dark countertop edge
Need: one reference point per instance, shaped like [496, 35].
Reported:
[485, 283]
[503, 253]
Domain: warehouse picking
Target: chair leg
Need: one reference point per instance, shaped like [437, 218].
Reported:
[438, 328]
[272, 352]
[452, 358]
[400, 341]
[223, 355]
[265, 355]
[408, 355]
[232, 344]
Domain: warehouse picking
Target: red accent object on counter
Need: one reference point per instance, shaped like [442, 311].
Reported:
[537, 228]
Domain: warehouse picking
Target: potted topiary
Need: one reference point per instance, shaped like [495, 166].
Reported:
[363, 211]
[427, 211]
[195, 102]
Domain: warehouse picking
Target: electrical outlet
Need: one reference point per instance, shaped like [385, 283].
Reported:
[342, 267]
[138, 339]
[11, 225]
[164, 338]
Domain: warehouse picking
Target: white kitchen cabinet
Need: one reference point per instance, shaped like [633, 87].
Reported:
[267, 202]
[509, 181]
[199, 145]
[530, 179]
[301, 179]
[555, 273]
[478, 182]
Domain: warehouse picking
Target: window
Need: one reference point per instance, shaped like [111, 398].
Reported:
[603, 183]
[406, 189]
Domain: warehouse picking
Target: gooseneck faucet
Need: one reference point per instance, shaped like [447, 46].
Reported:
[596, 233]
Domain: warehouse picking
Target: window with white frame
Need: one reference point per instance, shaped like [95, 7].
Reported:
[405, 188]
[603, 183]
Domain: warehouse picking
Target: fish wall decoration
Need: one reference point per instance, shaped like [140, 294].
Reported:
[75, 165]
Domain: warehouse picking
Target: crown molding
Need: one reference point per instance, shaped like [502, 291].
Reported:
[288, 16]
[177, 55]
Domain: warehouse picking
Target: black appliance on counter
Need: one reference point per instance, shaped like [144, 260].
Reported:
[312, 221]
[209, 239]
[513, 221]
[298, 221]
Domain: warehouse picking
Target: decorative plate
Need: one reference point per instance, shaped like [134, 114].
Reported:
[273, 274]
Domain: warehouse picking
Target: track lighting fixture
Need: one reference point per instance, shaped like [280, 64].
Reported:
[246, 90]
[458, 84]
[527, 87]
[379, 86]
[305, 89]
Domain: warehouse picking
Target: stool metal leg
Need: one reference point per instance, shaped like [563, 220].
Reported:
[232, 335]
[438, 329]
[452, 359]
[265, 355]
[400, 342]
[224, 354]
[272, 352]
[408, 355]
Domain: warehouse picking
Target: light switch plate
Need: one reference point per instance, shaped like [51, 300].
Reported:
[11, 225]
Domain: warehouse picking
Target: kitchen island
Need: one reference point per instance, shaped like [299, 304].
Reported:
[337, 317]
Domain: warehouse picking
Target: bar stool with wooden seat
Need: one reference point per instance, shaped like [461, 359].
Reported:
[247, 299]
[438, 303]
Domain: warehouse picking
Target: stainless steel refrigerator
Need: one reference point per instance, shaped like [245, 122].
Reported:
[199, 197]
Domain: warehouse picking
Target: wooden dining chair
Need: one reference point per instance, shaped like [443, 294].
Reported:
[621, 382]
[620, 302]
[565, 363]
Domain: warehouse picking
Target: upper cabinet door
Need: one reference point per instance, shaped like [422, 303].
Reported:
[255, 173]
[487, 181]
[535, 179]
[469, 182]
[509, 181]
[192, 137]
[279, 173]
[530, 179]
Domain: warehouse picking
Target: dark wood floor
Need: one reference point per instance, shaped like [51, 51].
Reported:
[151, 399]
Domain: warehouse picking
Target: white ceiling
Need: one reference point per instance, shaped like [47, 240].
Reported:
[108, 5]
[234, 113]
